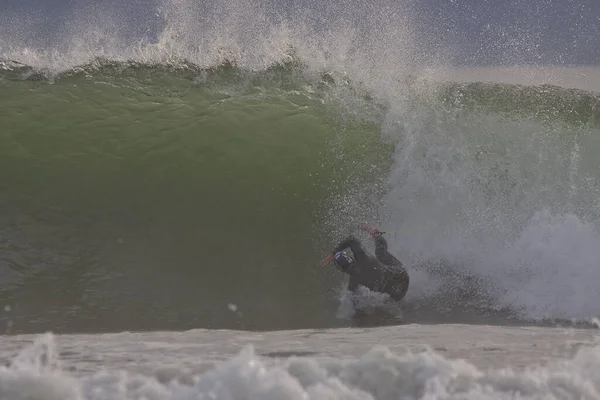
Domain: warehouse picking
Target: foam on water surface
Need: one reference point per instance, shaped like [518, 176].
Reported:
[414, 362]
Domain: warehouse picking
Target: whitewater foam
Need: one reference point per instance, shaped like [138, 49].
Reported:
[378, 373]
[510, 201]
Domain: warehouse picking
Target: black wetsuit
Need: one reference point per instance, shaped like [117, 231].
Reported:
[384, 274]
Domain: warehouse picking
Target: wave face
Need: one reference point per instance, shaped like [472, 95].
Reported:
[192, 178]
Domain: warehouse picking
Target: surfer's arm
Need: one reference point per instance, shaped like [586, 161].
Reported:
[382, 253]
[381, 247]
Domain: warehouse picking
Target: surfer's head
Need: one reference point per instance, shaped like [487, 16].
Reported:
[343, 260]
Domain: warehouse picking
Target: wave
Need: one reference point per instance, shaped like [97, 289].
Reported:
[132, 167]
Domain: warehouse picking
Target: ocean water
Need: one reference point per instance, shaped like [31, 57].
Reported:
[167, 188]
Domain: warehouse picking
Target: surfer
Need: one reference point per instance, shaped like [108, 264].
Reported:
[383, 273]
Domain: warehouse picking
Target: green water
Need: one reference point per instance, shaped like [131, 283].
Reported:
[136, 195]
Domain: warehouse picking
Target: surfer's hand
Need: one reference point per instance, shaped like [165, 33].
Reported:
[326, 260]
[364, 227]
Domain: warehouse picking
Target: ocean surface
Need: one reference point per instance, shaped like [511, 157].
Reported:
[164, 203]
